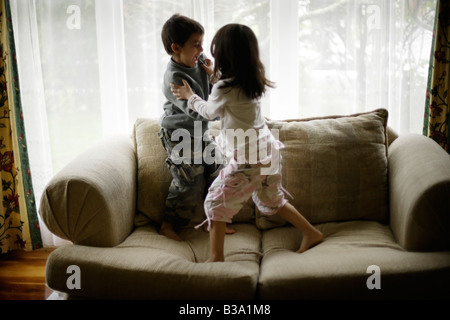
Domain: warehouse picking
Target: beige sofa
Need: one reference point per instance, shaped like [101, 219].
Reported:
[381, 200]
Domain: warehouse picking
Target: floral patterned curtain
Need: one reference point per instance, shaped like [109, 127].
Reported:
[19, 226]
[437, 109]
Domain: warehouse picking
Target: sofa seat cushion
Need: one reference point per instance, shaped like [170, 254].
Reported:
[151, 266]
[337, 268]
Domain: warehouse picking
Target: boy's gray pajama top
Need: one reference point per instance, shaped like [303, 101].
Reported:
[188, 179]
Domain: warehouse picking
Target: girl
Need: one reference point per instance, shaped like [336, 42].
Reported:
[235, 98]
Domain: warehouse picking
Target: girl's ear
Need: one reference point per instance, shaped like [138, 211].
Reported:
[175, 47]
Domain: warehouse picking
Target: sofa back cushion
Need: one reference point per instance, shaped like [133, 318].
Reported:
[335, 167]
[154, 177]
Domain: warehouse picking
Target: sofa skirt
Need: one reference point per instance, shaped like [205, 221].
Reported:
[356, 260]
[151, 266]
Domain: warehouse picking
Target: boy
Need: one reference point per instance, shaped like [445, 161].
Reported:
[182, 38]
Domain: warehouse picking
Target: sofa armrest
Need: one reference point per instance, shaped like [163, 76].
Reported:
[419, 188]
[92, 200]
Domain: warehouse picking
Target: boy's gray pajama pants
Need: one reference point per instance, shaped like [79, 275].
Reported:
[190, 181]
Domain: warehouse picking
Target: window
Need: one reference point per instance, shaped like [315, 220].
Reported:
[90, 68]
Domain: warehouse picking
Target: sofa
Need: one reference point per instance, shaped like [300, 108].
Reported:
[381, 200]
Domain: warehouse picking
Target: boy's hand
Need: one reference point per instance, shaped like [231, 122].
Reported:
[209, 67]
[183, 92]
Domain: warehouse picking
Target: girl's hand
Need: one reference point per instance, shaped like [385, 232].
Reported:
[183, 92]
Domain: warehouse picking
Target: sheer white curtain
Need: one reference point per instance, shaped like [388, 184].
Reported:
[359, 55]
[33, 99]
[89, 68]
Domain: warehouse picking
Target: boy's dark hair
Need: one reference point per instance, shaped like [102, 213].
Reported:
[236, 52]
[178, 29]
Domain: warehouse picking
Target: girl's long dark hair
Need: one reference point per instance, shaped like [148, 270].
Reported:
[236, 52]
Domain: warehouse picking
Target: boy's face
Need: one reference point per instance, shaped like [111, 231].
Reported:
[187, 55]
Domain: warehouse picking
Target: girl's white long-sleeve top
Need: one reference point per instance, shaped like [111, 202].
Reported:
[236, 111]
[233, 107]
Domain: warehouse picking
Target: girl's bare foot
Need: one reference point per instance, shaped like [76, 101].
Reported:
[310, 239]
[217, 238]
[216, 259]
[311, 236]
[168, 231]
[227, 230]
